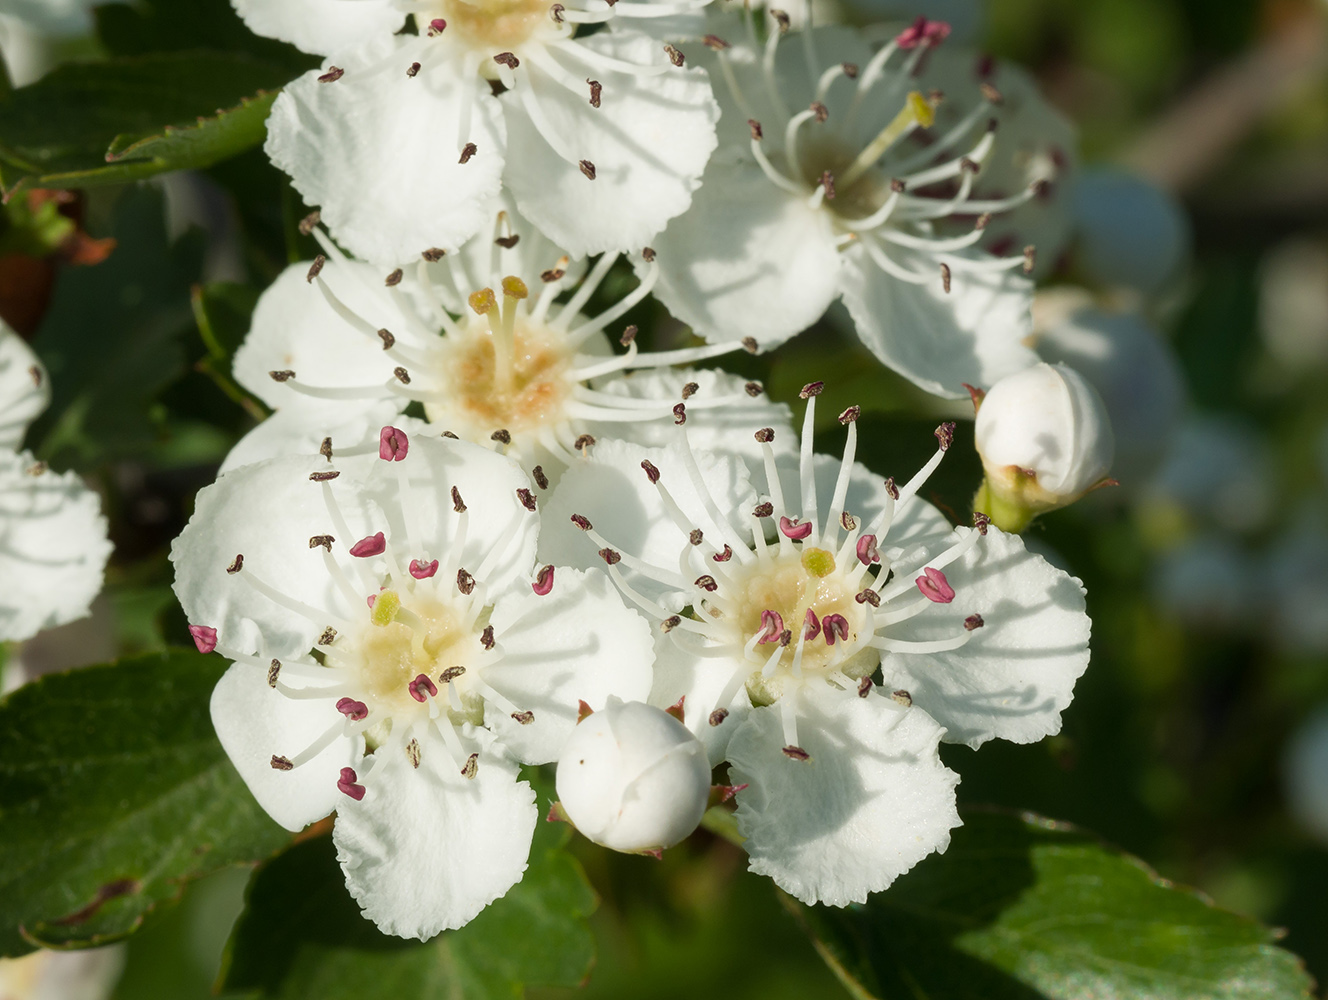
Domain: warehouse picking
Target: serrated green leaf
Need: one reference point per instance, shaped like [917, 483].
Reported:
[108, 122]
[1021, 908]
[302, 935]
[113, 791]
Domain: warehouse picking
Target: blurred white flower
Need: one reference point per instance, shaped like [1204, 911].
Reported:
[1295, 575]
[633, 778]
[838, 175]
[402, 139]
[396, 652]
[481, 339]
[776, 611]
[1305, 774]
[1207, 583]
[1218, 469]
[1133, 369]
[1128, 231]
[1293, 303]
[53, 544]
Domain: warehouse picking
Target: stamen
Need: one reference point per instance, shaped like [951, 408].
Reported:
[347, 783]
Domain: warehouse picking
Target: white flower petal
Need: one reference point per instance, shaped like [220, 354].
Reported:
[320, 27]
[699, 680]
[872, 802]
[53, 547]
[576, 643]
[747, 260]
[25, 388]
[426, 849]
[976, 333]
[255, 722]
[613, 492]
[377, 151]
[649, 142]
[728, 428]
[1017, 674]
[267, 513]
[294, 432]
[496, 520]
[295, 329]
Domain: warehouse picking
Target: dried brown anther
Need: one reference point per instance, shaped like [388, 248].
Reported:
[588, 169]
[333, 74]
[321, 540]
[309, 221]
[467, 151]
[315, 268]
[236, 565]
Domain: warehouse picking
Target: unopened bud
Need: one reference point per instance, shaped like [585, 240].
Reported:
[1045, 440]
[633, 778]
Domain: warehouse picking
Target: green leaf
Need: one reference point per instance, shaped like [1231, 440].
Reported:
[113, 791]
[127, 118]
[303, 936]
[112, 339]
[1022, 908]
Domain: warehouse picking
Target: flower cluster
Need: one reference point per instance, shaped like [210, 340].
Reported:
[484, 528]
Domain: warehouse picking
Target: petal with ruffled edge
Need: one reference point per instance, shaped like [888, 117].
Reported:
[747, 259]
[320, 27]
[1016, 675]
[699, 680]
[576, 643]
[295, 329]
[873, 800]
[426, 849]
[377, 152]
[53, 547]
[25, 388]
[255, 722]
[266, 512]
[975, 333]
[295, 433]
[501, 534]
[613, 492]
[649, 141]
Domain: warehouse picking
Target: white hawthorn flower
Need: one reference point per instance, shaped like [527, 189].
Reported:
[911, 181]
[1045, 440]
[481, 340]
[396, 652]
[53, 544]
[1305, 774]
[777, 610]
[403, 139]
[632, 778]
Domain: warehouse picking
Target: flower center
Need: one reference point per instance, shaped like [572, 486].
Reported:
[805, 588]
[494, 379]
[409, 635]
[494, 25]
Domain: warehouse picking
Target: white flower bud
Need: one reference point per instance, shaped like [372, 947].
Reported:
[1045, 439]
[633, 778]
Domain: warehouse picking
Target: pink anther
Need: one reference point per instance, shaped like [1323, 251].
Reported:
[347, 784]
[420, 685]
[352, 709]
[392, 444]
[935, 587]
[836, 627]
[374, 545]
[867, 551]
[794, 530]
[811, 625]
[204, 638]
[772, 625]
[543, 581]
[421, 570]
